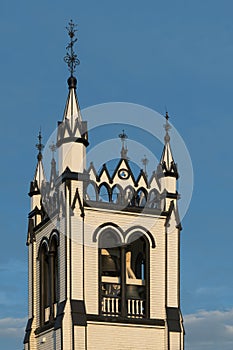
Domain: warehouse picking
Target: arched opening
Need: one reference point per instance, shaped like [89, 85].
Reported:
[137, 275]
[104, 193]
[91, 193]
[44, 284]
[124, 275]
[141, 198]
[153, 199]
[110, 272]
[53, 262]
[117, 194]
[129, 196]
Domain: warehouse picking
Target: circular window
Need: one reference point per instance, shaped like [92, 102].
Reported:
[123, 174]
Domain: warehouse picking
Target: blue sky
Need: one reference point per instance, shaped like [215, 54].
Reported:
[177, 54]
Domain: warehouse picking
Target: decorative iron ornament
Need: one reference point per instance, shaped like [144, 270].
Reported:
[167, 127]
[39, 146]
[71, 58]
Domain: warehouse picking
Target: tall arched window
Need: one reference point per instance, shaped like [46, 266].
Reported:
[48, 260]
[44, 283]
[137, 275]
[110, 273]
[53, 262]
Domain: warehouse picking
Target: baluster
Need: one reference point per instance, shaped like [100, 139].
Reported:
[129, 307]
[137, 307]
[141, 307]
[104, 304]
[117, 306]
[133, 307]
[108, 305]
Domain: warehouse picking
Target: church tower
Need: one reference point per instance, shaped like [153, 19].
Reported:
[103, 248]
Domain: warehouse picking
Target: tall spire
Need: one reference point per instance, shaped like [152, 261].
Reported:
[72, 127]
[124, 149]
[167, 160]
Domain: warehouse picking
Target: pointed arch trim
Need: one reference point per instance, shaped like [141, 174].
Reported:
[104, 227]
[143, 230]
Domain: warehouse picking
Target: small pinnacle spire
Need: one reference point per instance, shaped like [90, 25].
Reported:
[71, 57]
[124, 148]
[39, 146]
[53, 148]
[39, 176]
[167, 127]
[145, 161]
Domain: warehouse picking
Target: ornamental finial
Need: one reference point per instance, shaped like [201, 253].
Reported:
[71, 57]
[39, 146]
[124, 148]
[167, 127]
[53, 148]
[145, 162]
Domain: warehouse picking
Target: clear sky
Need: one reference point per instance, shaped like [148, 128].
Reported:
[177, 54]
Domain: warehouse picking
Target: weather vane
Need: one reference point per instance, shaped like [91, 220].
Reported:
[71, 58]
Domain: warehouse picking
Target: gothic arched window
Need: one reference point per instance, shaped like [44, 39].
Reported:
[49, 277]
[91, 192]
[124, 275]
[129, 196]
[110, 273]
[153, 199]
[44, 283]
[104, 193]
[53, 262]
[117, 194]
[141, 198]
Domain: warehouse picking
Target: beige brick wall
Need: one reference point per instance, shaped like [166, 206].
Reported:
[115, 337]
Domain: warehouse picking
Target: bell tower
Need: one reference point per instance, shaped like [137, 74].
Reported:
[103, 248]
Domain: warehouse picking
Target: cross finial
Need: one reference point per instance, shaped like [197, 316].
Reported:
[71, 57]
[124, 149]
[145, 161]
[167, 127]
[39, 146]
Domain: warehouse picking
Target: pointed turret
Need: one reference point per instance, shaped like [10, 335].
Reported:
[39, 177]
[72, 128]
[167, 169]
[167, 161]
[72, 138]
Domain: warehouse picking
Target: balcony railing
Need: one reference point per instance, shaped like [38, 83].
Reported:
[111, 299]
